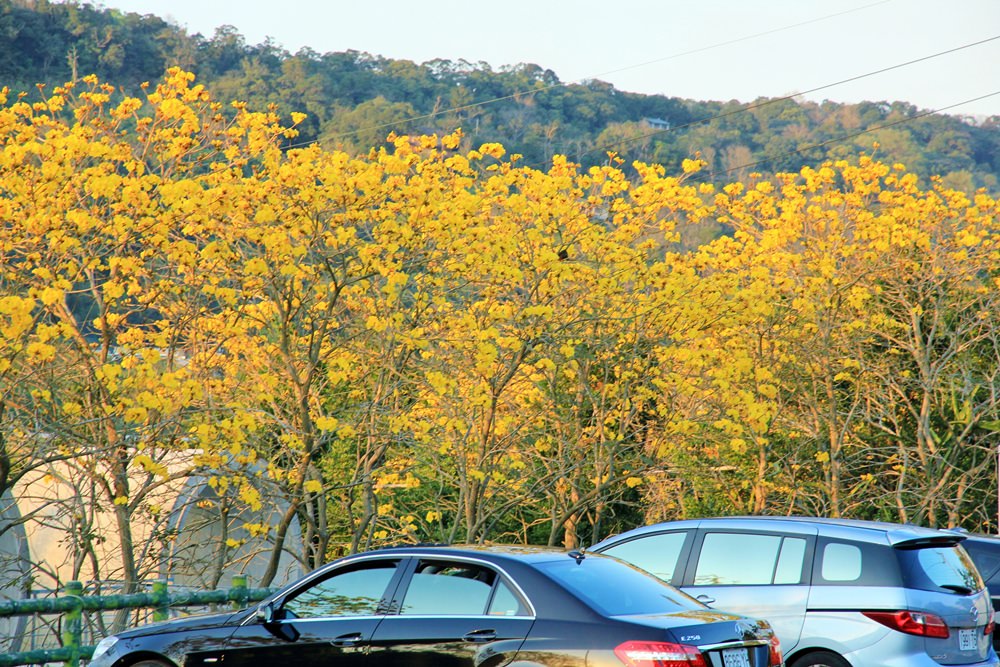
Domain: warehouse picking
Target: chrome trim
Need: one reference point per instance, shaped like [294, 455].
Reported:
[489, 616]
[478, 561]
[381, 616]
[347, 560]
[751, 643]
[251, 619]
[325, 619]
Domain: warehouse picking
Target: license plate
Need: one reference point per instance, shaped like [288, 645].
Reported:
[967, 640]
[735, 657]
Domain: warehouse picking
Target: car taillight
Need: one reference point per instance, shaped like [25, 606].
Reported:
[988, 630]
[911, 622]
[774, 658]
[659, 654]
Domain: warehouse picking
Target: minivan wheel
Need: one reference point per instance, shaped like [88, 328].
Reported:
[820, 659]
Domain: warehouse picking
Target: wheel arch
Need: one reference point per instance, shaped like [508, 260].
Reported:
[801, 657]
[139, 657]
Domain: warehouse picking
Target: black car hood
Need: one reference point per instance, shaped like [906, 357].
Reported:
[186, 624]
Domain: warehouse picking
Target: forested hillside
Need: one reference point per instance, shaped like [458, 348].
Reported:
[354, 99]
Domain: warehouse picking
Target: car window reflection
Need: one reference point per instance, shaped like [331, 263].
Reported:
[353, 593]
[448, 589]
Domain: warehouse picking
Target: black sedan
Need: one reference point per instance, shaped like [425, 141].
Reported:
[452, 607]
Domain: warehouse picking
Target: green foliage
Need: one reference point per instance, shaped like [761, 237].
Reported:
[355, 99]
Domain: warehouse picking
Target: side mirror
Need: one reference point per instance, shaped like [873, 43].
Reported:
[265, 613]
[267, 617]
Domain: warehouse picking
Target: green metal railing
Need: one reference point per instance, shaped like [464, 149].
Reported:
[73, 603]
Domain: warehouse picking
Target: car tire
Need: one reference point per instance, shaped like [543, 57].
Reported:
[820, 659]
[150, 663]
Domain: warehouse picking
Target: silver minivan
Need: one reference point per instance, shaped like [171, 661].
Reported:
[839, 593]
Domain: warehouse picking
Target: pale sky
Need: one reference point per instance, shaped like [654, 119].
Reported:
[698, 49]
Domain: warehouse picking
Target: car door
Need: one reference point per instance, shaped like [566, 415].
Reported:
[328, 620]
[759, 574]
[452, 613]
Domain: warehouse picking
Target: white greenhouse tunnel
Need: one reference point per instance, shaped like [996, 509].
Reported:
[14, 569]
[54, 529]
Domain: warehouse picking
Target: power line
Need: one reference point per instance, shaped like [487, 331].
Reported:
[758, 105]
[742, 39]
[855, 134]
[535, 91]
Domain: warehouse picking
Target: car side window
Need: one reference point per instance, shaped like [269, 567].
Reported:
[356, 591]
[748, 559]
[448, 589]
[841, 562]
[506, 603]
[657, 554]
[986, 558]
[790, 561]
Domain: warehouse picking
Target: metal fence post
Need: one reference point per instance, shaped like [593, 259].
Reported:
[161, 611]
[72, 622]
[239, 591]
[71, 604]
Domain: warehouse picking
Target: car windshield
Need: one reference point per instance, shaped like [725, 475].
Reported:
[940, 568]
[615, 588]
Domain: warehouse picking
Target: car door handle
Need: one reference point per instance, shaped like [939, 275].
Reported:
[705, 599]
[352, 639]
[480, 636]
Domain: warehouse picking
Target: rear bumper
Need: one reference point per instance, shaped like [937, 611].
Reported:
[865, 659]
[865, 643]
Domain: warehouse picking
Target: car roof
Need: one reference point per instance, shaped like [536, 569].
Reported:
[902, 530]
[498, 555]
[895, 534]
[495, 553]
[978, 544]
[981, 537]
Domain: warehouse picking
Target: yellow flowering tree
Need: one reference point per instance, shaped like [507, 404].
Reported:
[98, 200]
[431, 342]
[854, 356]
[932, 406]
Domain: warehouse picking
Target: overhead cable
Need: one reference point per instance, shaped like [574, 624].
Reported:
[541, 89]
[776, 100]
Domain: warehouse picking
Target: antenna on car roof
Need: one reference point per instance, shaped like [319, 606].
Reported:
[578, 556]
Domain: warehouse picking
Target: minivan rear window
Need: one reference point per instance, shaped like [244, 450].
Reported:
[939, 568]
